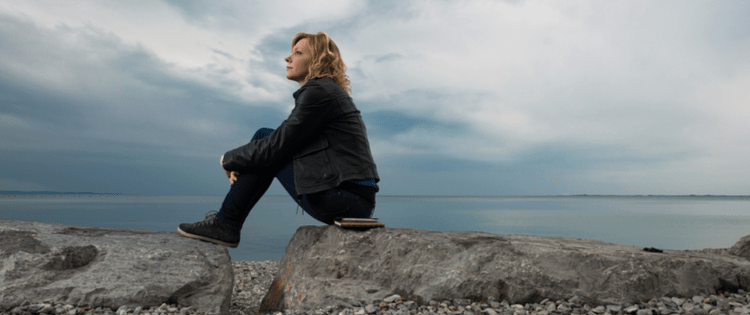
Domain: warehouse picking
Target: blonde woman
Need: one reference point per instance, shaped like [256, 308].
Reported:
[320, 153]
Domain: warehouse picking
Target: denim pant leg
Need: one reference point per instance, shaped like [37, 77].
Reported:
[324, 206]
[245, 192]
[327, 205]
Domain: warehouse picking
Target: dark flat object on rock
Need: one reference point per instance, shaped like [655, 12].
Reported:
[358, 223]
[652, 249]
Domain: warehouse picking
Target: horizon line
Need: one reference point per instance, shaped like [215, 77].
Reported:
[49, 192]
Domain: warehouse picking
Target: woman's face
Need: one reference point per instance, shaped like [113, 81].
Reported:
[298, 62]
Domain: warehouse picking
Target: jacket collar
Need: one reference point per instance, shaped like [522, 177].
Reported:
[309, 81]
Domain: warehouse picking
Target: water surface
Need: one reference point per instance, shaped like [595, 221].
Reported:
[660, 221]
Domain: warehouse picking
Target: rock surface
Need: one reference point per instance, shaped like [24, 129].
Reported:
[44, 262]
[741, 248]
[327, 265]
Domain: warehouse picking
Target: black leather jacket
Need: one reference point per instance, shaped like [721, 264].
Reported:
[324, 137]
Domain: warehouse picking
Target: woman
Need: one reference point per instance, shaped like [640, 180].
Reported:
[320, 153]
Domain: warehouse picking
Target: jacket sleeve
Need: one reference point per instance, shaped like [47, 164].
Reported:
[312, 111]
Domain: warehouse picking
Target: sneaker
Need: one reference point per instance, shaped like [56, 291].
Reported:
[212, 230]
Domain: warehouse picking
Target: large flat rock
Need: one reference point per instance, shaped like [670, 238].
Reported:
[327, 265]
[110, 267]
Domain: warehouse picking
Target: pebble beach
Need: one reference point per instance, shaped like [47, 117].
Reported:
[253, 278]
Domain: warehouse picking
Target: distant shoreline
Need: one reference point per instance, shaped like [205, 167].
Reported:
[20, 192]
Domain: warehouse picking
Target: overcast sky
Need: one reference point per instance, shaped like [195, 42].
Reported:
[459, 97]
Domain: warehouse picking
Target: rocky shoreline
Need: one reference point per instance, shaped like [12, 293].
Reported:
[253, 278]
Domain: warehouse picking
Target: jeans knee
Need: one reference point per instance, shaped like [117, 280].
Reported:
[262, 133]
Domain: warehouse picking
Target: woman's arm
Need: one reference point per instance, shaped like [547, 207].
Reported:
[314, 109]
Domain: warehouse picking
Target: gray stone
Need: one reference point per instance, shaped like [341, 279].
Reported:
[698, 299]
[461, 302]
[631, 309]
[63, 264]
[370, 308]
[614, 308]
[410, 305]
[392, 298]
[325, 265]
[741, 247]
[47, 309]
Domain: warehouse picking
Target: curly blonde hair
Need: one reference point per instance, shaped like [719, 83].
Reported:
[326, 59]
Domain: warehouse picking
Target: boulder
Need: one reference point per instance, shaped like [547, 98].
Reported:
[327, 265]
[94, 267]
[741, 248]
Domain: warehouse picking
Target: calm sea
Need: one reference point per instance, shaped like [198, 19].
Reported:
[689, 222]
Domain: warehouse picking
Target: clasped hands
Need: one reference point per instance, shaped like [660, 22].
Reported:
[231, 175]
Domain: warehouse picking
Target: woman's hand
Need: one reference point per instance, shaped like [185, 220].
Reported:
[231, 175]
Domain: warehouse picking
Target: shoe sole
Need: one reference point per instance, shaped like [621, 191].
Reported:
[207, 239]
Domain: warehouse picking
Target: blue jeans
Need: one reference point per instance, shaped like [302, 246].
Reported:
[324, 206]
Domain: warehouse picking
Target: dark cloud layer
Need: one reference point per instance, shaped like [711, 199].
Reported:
[110, 117]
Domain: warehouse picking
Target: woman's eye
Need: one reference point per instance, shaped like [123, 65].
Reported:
[299, 53]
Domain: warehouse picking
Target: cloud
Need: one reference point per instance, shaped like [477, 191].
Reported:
[545, 73]
[588, 96]
[82, 95]
[388, 57]
[89, 80]
[12, 122]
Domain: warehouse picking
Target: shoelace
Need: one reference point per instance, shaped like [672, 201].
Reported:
[210, 218]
